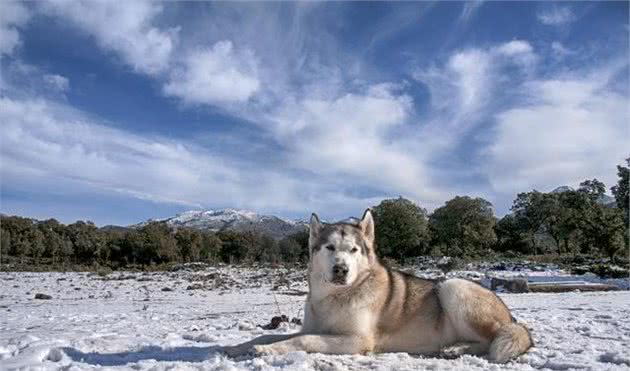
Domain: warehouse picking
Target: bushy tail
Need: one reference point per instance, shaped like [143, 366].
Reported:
[511, 341]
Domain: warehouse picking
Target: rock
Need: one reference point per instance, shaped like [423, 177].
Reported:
[296, 321]
[515, 285]
[581, 269]
[42, 296]
[165, 289]
[195, 286]
[190, 267]
[275, 322]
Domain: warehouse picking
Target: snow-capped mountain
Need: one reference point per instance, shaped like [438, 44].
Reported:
[233, 219]
[562, 189]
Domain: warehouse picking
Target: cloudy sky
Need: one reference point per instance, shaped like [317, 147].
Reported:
[121, 111]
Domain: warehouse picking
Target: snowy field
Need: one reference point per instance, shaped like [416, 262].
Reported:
[180, 320]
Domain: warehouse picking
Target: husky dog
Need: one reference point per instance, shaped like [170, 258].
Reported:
[355, 305]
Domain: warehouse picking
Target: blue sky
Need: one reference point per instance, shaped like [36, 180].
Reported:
[117, 112]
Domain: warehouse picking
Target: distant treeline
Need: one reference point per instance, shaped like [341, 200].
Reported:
[570, 222]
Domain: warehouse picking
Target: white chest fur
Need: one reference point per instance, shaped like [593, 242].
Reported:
[331, 316]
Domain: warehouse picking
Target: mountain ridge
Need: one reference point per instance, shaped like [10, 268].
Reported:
[232, 219]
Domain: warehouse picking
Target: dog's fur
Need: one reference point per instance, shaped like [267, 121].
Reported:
[364, 307]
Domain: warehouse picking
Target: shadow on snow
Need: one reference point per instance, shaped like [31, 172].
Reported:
[174, 354]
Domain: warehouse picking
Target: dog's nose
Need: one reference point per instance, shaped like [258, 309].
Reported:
[340, 269]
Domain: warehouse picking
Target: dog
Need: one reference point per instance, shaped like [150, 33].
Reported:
[356, 305]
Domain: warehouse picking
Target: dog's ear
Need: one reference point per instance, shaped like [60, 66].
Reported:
[367, 225]
[314, 229]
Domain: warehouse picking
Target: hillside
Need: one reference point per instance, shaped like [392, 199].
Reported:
[233, 219]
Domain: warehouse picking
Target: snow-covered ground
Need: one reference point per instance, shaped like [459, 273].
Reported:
[132, 321]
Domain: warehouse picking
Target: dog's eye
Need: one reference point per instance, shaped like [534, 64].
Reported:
[330, 247]
[354, 249]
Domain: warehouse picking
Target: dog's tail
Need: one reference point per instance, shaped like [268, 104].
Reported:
[512, 340]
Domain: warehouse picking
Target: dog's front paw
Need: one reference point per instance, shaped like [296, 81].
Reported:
[269, 349]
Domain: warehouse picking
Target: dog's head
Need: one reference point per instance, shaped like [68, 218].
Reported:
[340, 252]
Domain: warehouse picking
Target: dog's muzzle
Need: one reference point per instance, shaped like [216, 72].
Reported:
[340, 272]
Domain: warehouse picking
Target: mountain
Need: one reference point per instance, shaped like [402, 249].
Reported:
[115, 228]
[233, 219]
[607, 201]
[562, 189]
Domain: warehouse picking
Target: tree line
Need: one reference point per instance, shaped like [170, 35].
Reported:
[82, 243]
[570, 222]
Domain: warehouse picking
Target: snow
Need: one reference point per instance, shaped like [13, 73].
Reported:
[231, 219]
[228, 215]
[126, 322]
[213, 215]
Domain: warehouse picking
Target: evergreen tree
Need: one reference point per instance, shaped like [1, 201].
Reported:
[464, 226]
[401, 229]
[620, 190]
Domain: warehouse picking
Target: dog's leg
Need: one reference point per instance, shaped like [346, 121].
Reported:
[244, 348]
[328, 344]
[472, 348]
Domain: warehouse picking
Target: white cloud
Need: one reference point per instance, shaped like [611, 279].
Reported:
[23, 79]
[319, 104]
[214, 76]
[469, 10]
[544, 132]
[464, 87]
[124, 28]
[515, 47]
[349, 137]
[471, 69]
[549, 131]
[13, 16]
[57, 82]
[49, 146]
[559, 49]
[518, 51]
[556, 16]
[218, 75]
[570, 129]
[45, 138]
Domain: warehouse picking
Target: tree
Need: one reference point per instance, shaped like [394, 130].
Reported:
[17, 229]
[86, 240]
[620, 190]
[542, 214]
[530, 216]
[158, 244]
[605, 231]
[52, 232]
[594, 189]
[401, 228]
[233, 248]
[294, 248]
[36, 239]
[269, 250]
[5, 244]
[210, 248]
[510, 235]
[464, 226]
[67, 249]
[188, 243]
